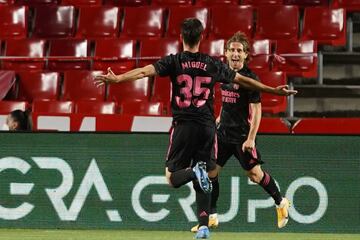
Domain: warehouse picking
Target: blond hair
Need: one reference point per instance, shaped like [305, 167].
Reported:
[241, 38]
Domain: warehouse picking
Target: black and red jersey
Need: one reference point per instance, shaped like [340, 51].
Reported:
[236, 113]
[193, 76]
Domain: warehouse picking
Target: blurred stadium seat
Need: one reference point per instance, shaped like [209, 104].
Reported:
[67, 54]
[178, 14]
[7, 85]
[152, 50]
[7, 2]
[24, 54]
[327, 126]
[82, 3]
[35, 85]
[97, 22]
[217, 109]
[217, 93]
[8, 106]
[330, 28]
[273, 125]
[130, 3]
[59, 23]
[95, 107]
[272, 103]
[136, 91]
[216, 2]
[141, 108]
[79, 85]
[143, 22]
[213, 47]
[33, 3]
[53, 107]
[119, 54]
[226, 20]
[277, 22]
[300, 58]
[262, 2]
[13, 21]
[171, 2]
[260, 54]
[162, 92]
[350, 5]
[306, 3]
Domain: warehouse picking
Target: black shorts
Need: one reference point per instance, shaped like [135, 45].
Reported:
[246, 159]
[191, 143]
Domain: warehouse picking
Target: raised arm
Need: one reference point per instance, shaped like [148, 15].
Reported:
[258, 86]
[137, 73]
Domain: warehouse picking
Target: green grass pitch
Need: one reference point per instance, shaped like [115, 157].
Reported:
[27, 234]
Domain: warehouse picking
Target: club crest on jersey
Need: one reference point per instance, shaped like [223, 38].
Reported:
[236, 86]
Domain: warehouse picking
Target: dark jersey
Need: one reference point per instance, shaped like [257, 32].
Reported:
[235, 114]
[193, 76]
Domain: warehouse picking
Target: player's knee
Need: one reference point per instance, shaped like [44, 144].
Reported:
[213, 179]
[171, 184]
[168, 179]
[212, 173]
[254, 176]
[215, 172]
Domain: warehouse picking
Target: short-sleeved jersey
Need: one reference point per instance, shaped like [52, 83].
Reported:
[193, 76]
[235, 114]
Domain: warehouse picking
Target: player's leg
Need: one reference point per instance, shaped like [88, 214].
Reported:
[224, 152]
[213, 219]
[264, 179]
[206, 149]
[178, 169]
[251, 161]
[203, 206]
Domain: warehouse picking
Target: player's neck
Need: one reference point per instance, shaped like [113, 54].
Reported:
[194, 49]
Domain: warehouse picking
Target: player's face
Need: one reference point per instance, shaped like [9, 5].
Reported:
[11, 123]
[236, 55]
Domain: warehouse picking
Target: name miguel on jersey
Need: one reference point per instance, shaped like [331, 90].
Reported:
[192, 64]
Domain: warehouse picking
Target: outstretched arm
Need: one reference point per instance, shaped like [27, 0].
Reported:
[258, 86]
[137, 73]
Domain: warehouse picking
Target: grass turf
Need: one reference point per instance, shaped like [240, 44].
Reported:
[28, 234]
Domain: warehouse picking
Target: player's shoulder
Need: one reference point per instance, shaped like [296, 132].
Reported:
[249, 73]
[173, 55]
[209, 58]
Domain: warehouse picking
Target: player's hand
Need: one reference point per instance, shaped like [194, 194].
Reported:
[217, 121]
[284, 90]
[110, 77]
[248, 145]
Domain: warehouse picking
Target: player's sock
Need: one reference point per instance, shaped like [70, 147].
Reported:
[214, 194]
[203, 204]
[268, 183]
[182, 177]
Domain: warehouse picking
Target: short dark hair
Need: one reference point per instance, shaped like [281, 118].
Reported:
[22, 117]
[241, 38]
[191, 30]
